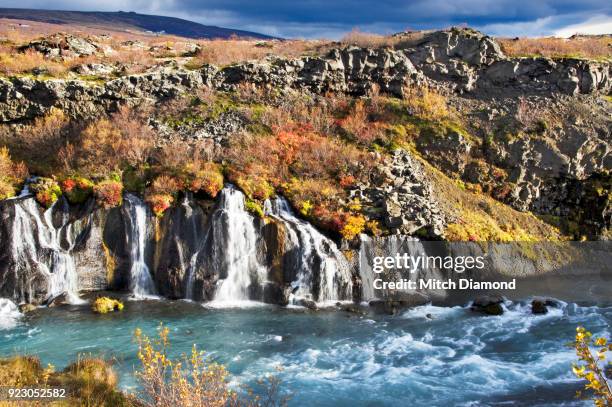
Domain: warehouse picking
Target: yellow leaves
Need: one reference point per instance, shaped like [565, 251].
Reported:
[578, 370]
[591, 371]
[353, 226]
[103, 305]
[306, 208]
[50, 369]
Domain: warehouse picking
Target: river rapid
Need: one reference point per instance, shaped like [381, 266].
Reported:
[428, 355]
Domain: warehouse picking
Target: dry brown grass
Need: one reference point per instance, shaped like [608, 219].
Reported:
[227, 52]
[588, 47]
[367, 40]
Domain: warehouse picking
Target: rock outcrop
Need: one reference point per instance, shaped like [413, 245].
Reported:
[400, 197]
[459, 59]
[62, 45]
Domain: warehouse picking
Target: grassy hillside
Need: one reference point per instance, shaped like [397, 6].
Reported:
[127, 21]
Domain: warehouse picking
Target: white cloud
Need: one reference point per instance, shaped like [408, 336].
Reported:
[600, 24]
[559, 26]
[536, 28]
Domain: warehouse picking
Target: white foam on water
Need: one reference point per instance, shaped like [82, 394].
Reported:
[246, 304]
[10, 316]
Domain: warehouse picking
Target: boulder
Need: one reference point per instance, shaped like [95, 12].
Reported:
[489, 304]
[538, 306]
[62, 46]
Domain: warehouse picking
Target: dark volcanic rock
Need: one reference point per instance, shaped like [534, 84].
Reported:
[538, 306]
[489, 304]
[401, 197]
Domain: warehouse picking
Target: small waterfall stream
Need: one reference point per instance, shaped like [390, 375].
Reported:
[141, 282]
[234, 249]
[54, 260]
[190, 270]
[323, 273]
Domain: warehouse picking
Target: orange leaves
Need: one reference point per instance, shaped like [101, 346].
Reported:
[109, 193]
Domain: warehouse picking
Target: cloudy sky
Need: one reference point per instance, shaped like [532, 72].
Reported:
[332, 18]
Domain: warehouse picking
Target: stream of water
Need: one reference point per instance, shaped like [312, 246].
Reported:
[426, 356]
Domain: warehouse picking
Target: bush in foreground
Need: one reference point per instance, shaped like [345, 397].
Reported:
[88, 381]
[591, 366]
[192, 380]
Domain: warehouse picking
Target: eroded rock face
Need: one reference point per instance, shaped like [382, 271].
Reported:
[460, 59]
[400, 197]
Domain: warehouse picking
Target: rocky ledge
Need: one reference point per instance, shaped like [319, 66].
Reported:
[462, 60]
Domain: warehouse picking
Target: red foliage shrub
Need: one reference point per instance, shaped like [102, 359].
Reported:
[109, 193]
[159, 203]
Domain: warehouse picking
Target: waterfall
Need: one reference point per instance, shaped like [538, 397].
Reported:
[193, 261]
[322, 272]
[234, 250]
[366, 253]
[141, 282]
[55, 261]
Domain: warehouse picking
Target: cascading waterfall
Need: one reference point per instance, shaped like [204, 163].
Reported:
[314, 256]
[193, 261]
[141, 282]
[234, 250]
[59, 265]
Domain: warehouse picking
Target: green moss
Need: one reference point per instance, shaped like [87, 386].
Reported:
[254, 207]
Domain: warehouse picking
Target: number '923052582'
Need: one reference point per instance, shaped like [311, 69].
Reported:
[32, 393]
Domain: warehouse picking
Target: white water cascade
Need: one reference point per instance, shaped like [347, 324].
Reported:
[53, 260]
[191, 267]
[234, 249]
[141, 282]
[313, 252]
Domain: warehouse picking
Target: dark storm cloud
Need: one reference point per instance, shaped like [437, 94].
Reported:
[329, 17]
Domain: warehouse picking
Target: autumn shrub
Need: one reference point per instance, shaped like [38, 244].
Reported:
[367, 40]
[426, 104]
[46, 190]
[208, 178]
[254, 207]
[109, 193]
[11, 174]
[357, 125]
[353, 226]
[103, 305]
[590, 47]
[113, 144]
[192, 380]
[77, 189]
[232, 51]
[255, 186]
[88, 381]
[592, 355]
[29, 61]
[43, 143]
[159, 202]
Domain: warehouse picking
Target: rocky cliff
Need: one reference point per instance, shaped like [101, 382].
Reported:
[535, 135]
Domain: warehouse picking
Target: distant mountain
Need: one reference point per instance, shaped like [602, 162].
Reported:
[121, 20]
